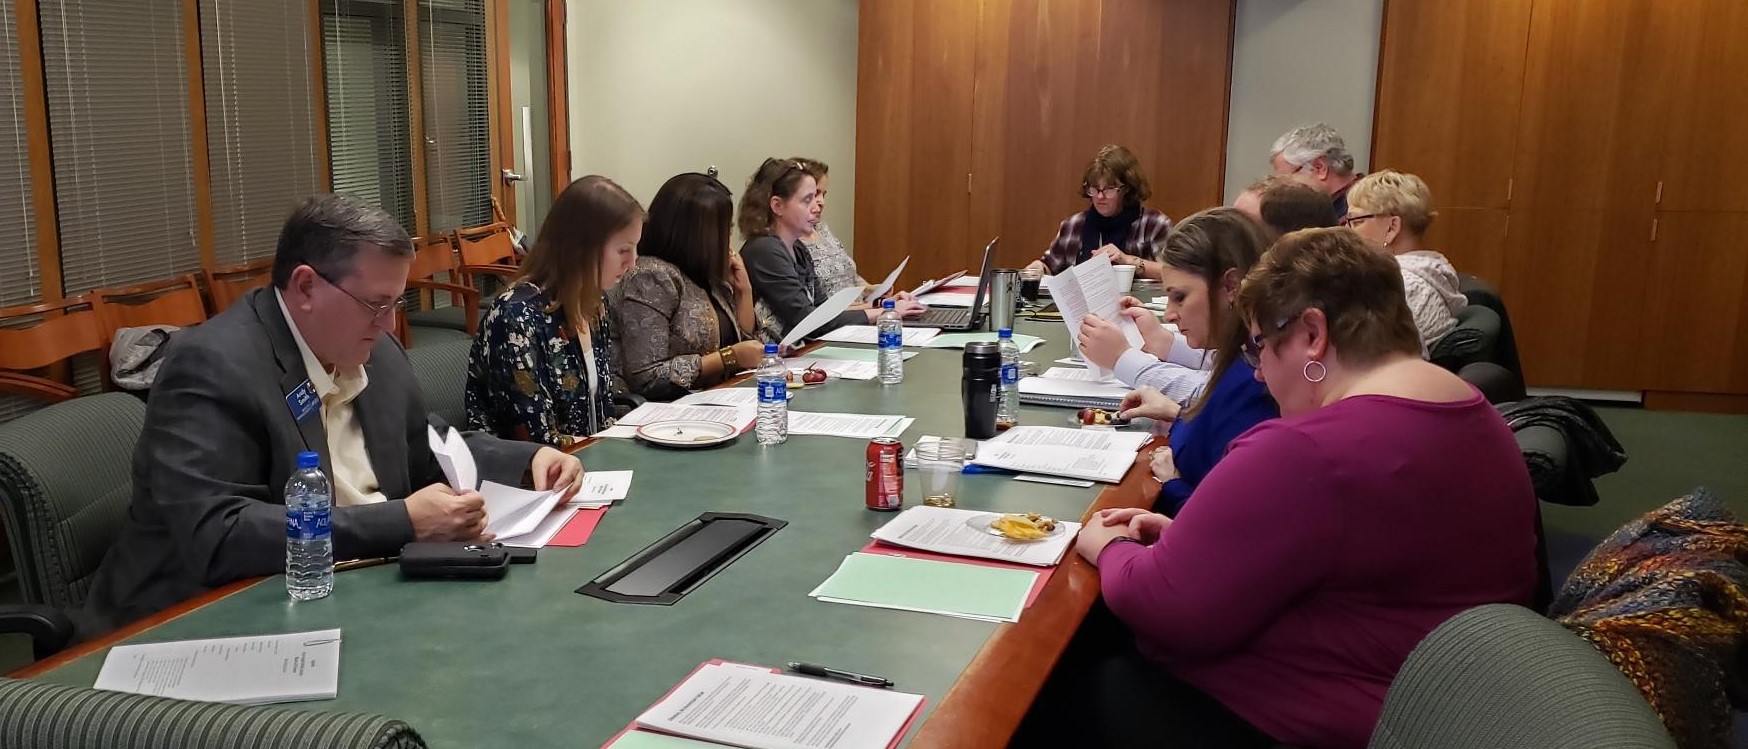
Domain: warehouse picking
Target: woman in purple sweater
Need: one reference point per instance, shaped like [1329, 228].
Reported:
[1389, 497]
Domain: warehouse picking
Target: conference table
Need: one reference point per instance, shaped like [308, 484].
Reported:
[527, 662]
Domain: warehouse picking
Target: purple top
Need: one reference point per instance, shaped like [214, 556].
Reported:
[1321, 550]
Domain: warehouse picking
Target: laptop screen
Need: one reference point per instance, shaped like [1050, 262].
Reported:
[985, 277]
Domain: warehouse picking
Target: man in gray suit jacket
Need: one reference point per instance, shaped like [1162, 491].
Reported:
[302, 365]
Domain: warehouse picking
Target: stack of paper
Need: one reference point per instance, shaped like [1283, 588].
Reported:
[945, 530]
[510, 512]
[1078, 463]
[240, 670]
[967, 591]
[860, 426]
[1061, 386]
[746, 706]
[1081, 439]
[958, 340]
[870, 335]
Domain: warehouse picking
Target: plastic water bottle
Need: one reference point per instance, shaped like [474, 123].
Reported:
[891, 329]
[309, 545]
[773, 424]
[1007, 413]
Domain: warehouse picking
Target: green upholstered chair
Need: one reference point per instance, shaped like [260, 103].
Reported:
[1504, 677]
[1473, 340]
[65, 485]
[41, 715]
[441, 367]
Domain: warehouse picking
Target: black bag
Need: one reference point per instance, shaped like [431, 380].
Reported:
[454, 560]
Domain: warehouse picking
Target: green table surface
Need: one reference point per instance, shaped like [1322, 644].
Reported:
[526, 662]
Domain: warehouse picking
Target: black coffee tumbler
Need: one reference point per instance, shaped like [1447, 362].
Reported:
[981, 388]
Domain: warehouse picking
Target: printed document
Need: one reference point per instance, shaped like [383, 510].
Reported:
[294, 667]
[763, 710]
[945, 530]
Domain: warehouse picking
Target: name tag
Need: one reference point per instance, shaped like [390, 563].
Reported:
[303, 401]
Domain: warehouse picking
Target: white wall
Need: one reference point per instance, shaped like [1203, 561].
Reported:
[660, 88]
[1296, 62]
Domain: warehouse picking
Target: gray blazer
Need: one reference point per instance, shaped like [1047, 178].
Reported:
[784, 279]
[219, 443]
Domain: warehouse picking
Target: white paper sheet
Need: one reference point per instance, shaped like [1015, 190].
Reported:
[1079, 375]
[512, 512]
[455, 458]
[861, 426]
[542, 534]
[1090, 288]
[721, 397]
[259, 670]
[649, 413]
[1107, 466]
[763, 710]
[886, 285]
[1085, 439]
[870, 335]
[948, 298]
[822, 314]
[602, 488]
[1057, 480]
[849, 370]
[932, 284]
[946, 530]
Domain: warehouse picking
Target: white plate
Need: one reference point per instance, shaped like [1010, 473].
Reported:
[682, 433]
[982, 523]
[798, 385]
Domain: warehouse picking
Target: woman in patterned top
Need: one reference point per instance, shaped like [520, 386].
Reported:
[836, 269]
[1116, 225]
[688, 299]
[542, 367]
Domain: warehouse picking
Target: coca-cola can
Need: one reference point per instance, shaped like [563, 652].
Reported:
[885, 491]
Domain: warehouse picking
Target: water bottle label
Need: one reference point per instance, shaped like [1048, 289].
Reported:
[1010, 374]
[773, 392]
[308, 524]
[891, 339]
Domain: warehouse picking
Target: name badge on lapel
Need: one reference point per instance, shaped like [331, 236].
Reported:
[303, 401]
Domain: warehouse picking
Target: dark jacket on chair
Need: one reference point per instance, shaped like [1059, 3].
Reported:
[1591, 449]
[219, 443]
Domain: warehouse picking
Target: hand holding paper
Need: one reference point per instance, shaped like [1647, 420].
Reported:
[886, 285]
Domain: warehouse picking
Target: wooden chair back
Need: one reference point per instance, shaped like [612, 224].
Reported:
[172, 301]
[36, 340]
[432, 256]
[224, 286]
[486, 245]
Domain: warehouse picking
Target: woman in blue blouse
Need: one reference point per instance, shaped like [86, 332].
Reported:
[1205, 258]
[541, 369]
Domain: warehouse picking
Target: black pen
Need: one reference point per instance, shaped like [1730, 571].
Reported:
[832, 673]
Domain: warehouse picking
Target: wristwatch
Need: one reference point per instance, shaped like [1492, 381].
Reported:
[730, 363]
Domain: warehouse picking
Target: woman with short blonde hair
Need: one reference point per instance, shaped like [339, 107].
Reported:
[1393, 210]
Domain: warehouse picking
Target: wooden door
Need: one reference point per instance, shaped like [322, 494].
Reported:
[1450, 87]
[1473, 239]
[1705, 145]
[1694, 321]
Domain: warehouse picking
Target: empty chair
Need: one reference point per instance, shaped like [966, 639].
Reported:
[1479, 291]
[1473, 340]
[173, 301]
[224, 286]
[1504, 677]
[434, 257]
[36, 340]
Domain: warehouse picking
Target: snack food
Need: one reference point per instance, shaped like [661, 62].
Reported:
[1098, 417]
[1028, 526]
[805, 377]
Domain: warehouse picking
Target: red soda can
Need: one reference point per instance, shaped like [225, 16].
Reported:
[885, 474]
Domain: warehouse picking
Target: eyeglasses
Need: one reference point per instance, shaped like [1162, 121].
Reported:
[1349, 221]
[1099, 192]
[1252, 349]
[377, 311]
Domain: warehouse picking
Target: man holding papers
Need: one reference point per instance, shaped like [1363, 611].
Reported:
[301, 365]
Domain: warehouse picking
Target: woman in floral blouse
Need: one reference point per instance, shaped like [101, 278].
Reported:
[688, 299]
[542, 367]
[836, 269]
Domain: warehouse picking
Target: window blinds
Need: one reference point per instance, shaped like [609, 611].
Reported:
[369, 119]
[18, 268]
[454, 75]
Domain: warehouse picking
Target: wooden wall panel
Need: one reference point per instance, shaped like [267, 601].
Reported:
[1695, 307]
[883, 133]
[940, 162]
[1706, 136]
[1450, 85]
[1473, 239]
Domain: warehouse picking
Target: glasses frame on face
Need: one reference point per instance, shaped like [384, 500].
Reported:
[1114, 190]
[1251, 351]
[1347, 222]
[377, 311]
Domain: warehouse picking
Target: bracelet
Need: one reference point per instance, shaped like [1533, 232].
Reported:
[730, 362]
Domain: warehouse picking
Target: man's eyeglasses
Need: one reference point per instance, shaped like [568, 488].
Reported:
[377, 311]
[1349, 221]
[1099, 192]
[1252, 349]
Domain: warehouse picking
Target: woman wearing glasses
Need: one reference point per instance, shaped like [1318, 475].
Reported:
[1392, 211]
[1389, 496]
[1205, 257]
[542, 367]
[1116, 225]
[776, 211]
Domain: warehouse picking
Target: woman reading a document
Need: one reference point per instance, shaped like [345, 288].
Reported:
[1278, 606]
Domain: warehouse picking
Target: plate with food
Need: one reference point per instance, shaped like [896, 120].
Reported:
[1097, 417]
[686, 433]
[1018, 526]
[807, 378]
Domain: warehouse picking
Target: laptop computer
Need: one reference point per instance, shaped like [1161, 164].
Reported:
[962, 318]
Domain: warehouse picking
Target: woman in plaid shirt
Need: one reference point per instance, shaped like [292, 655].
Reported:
[1116, 225]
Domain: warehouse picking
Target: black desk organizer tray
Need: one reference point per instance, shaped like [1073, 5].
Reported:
[665, 571]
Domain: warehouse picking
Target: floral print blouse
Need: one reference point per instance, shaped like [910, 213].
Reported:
[527, 378]
[836, 269]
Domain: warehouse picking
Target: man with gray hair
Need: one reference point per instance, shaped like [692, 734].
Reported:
[302, 365]
[1319, 156]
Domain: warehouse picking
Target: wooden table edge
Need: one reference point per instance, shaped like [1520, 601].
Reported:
[80, 650]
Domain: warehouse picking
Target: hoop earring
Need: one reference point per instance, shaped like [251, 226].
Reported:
[1322, 372]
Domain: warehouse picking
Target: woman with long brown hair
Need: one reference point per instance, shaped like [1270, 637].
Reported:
[541, 369]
